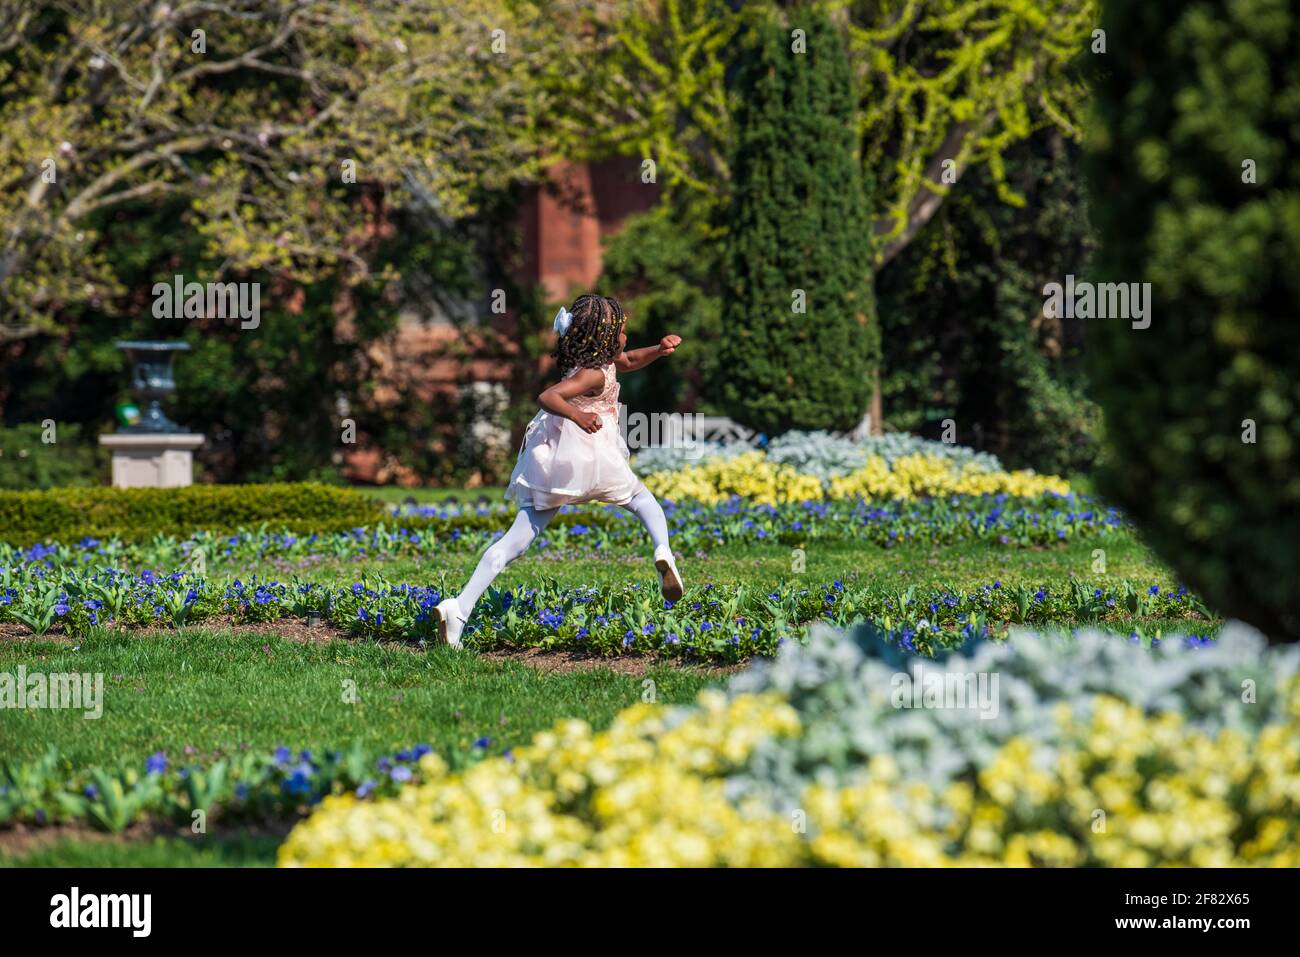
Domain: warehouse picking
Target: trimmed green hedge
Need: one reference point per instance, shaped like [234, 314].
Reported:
[70, 514]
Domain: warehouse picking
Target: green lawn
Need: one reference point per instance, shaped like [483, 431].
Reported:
[202, 690]
[206, 689]
[965, 564]
[239, 849]
[216, 689]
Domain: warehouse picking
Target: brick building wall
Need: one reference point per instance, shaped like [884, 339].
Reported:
[565, 220]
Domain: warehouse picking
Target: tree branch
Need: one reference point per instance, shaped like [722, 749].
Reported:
[928, 199]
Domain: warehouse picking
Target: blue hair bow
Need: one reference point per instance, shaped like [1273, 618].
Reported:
[563, 319]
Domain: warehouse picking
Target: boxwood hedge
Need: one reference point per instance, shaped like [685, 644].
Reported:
[71, 514]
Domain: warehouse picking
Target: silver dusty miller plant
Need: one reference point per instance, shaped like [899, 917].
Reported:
[841, 685]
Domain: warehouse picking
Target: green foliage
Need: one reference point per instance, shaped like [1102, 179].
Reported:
[69, 514]
[962, 330]
[265, 398]
[143, 184]
[799, 345]
[28, 462]
[707, 624]
[248, 785]
[962, 325]
[271, 132]
[937, 80]
[951, 85]
[667, 273]
[674, 54]
[1191, 94]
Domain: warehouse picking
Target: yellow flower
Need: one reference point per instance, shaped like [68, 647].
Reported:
[639, 794]
[1125, 789]
[752, 476]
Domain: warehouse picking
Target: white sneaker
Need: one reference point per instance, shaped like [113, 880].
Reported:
[670, 580]
[450, 621]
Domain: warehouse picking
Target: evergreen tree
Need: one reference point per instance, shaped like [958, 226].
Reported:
[799, 346]
[1197, 192]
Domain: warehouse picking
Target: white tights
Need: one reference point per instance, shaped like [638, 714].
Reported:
[528, 524]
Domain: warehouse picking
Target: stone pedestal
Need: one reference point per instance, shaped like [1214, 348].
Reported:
[152, 460]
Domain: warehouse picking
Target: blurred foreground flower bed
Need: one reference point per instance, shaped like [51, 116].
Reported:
[1088, 751]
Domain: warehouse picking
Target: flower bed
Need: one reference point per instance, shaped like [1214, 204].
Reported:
[1103, 754]
[426, 531]
[760, 478]
[245, 785]
[710, 623]
[817, 453]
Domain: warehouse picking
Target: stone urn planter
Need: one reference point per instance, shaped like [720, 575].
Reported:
[153, 452]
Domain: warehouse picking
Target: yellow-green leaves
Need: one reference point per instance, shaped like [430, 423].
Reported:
[430, 101]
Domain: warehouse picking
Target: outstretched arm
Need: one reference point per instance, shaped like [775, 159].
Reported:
[640, 358]
[556, 399]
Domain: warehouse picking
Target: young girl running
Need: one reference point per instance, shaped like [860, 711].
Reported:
[574, 452]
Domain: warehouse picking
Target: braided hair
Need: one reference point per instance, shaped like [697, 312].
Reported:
[592, 340]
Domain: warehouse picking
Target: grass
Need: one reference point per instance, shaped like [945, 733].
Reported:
[263, 690]
[965, 563]
[240, 849]
[210, 689]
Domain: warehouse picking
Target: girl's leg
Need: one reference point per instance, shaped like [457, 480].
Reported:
[527, 525]
[647, 508]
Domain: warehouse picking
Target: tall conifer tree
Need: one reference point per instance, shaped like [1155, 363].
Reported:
[800, 345]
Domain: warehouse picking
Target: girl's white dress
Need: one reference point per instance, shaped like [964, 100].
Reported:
[560, 464]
